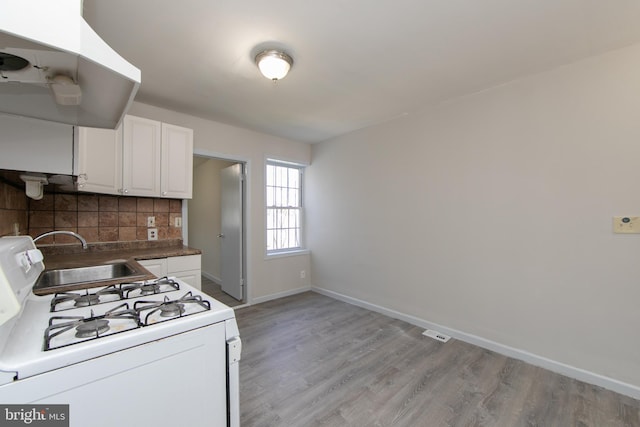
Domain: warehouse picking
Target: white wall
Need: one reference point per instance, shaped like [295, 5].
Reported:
[204, 214]
[492, 215]
[266, 278]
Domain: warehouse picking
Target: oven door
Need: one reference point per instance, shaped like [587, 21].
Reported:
[178, 380]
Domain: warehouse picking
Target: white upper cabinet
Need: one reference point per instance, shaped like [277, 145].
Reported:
[35, 145]
[141, 158]
[177, 162]
[99, 160]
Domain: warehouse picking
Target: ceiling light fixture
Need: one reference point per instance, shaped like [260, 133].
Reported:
[274, 64]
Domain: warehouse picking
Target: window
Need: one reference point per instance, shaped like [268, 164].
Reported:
[284, 206]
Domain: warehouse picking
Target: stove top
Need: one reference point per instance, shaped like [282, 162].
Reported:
[141, 304]
[68, 330]
[124, 291]
[41, 333]
[54, 331]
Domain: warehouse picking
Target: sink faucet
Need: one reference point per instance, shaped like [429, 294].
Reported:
[68, 233]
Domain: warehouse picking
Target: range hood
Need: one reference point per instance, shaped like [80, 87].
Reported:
[70, 74]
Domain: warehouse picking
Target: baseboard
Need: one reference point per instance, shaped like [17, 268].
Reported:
[279, 295]
[211, 277]
[534, 359]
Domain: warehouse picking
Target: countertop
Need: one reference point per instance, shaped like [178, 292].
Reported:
[73, 256]
[83, 259]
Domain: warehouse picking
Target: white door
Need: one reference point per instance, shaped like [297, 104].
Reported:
[231, 231]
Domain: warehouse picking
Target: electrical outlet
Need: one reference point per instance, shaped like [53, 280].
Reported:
[303, 274]
[178, 221]
[152, 234]
[626, 224]
[151, 221]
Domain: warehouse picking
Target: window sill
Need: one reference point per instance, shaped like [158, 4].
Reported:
[284, 254]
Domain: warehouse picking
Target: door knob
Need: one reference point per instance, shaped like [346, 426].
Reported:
[221, 235]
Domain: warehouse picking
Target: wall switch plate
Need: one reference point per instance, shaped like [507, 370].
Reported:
[626, 224]
[152, 234]
[303, 274]
[151, 221]
[178, 221]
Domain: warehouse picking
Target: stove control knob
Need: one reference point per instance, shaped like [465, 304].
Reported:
[28, 258]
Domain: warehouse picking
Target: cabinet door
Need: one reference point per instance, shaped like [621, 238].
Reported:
[157, 266]
[183, 263]
[177, 162]
[190, 277]
[141, 157]
[35, 145]
[186, 268]
[100, 160]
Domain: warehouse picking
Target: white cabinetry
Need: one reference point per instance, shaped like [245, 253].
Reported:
[187, 268]
[143, 157]
[156, 266]
[99, 160]
[141, 147]
[177, 162]
[36, 145]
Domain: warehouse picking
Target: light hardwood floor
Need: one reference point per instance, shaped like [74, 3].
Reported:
[214, 290]
[309, 360]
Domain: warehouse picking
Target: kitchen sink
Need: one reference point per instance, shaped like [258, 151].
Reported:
[120, 271]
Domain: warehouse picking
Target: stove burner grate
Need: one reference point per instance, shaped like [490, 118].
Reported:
[156, 286]
[169, 309]
[88, 328]
[85, 299]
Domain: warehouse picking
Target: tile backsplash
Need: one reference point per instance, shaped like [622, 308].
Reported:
[96, 217]
[13, 210]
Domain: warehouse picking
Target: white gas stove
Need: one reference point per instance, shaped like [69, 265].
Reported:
[170, 345]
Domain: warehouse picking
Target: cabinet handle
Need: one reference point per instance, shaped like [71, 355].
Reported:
[164, 193]
[125, 191]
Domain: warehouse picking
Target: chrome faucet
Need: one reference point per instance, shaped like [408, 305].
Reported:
[68, 233]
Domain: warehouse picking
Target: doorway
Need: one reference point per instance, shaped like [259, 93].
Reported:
[216, 226]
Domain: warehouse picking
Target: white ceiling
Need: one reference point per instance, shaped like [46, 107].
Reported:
[356, 62]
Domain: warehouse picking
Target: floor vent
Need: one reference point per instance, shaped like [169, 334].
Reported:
[436, 335]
